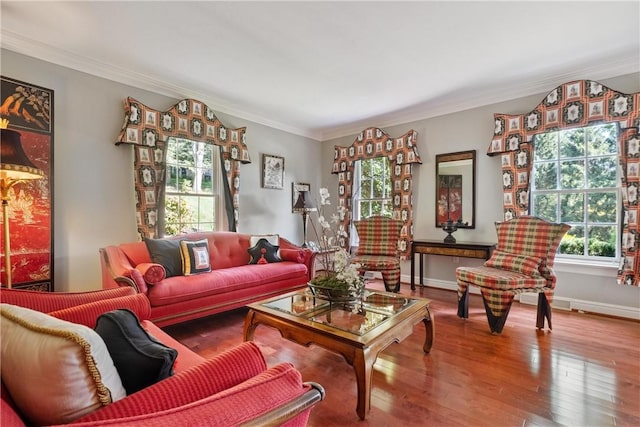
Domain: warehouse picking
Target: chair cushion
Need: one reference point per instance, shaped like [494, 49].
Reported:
[140, 359]
[56, 371]
[376, 262]
[494, 278]
[195, 257]
[527, 265]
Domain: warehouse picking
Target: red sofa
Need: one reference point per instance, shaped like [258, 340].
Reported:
[233, 388]
[232, 282]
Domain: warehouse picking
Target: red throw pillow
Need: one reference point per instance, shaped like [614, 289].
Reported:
[152, 273]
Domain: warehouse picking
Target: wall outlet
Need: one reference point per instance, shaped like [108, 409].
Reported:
[456, 260]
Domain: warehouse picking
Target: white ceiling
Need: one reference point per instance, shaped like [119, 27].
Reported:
[328, 69]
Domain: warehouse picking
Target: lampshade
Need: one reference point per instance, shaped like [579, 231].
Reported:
[14, 163]
[304, 202]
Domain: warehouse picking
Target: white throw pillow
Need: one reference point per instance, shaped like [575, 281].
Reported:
[56, 371]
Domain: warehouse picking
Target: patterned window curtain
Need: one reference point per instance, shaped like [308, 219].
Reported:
[402, 153]
[629, 149]
[575, 104]
[148, 130]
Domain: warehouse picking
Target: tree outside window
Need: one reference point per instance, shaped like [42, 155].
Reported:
[575, 181]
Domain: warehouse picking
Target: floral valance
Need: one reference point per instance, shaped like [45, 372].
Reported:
[148, 129]
[402, 152]
[574, 104]
[189, 119]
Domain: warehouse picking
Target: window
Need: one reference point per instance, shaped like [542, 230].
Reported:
[373, 181]
[575, 181]
[192, 201]
[372, 190]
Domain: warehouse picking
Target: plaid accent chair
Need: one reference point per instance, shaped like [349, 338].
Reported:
[522, 262]
[378, 249]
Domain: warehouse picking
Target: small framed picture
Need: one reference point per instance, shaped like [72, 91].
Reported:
[272, 171]
[296, 188]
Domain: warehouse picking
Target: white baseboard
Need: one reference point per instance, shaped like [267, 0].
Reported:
[560, 303]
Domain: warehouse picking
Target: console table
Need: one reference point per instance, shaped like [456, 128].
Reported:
[438, 247]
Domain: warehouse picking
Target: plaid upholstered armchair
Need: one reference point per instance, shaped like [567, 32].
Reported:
[522, 262]
[378, 249]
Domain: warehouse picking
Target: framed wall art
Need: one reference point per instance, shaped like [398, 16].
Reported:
[297, 188]
[272, 171]
[29, 111]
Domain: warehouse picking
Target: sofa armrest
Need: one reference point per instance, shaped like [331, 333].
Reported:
[219, 373]
[87, 314]
[278, 416]
[47, 302]
[306, 255]
[276, 390]
[117, 270]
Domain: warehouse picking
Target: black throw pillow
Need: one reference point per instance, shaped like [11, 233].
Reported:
[166, 252]
[264, 253]
[140, 359]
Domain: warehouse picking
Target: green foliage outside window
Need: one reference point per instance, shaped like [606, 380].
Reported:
[575, 181]
[374, 196]
[190, 187]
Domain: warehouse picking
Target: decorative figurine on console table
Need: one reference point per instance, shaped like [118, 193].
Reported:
[451, 227]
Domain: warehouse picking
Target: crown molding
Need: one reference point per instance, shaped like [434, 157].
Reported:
[29, 47]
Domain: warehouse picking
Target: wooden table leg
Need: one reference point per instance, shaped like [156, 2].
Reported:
[249, 326]
[430, 329]
[363, 367]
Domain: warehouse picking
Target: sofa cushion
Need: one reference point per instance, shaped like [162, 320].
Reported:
[140, 359]
[225, 280]
[264, 252]
[56, 371]
[166, 252]
[195, 257]
[152, 273]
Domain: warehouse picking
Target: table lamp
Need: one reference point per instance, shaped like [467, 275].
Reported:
[304, 205]
[15, 167]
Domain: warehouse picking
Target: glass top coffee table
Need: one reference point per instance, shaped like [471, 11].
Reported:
[358, 331]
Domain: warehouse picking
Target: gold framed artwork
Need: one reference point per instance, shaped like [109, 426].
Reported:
[272, 171]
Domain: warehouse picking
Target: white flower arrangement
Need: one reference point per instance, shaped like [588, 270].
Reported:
[341, 273]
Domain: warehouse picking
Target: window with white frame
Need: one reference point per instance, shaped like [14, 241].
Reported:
[575, 180]
[372, 190]
[192, 192]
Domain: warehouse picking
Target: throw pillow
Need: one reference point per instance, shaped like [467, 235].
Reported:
[152, 273]
[166, 252]
[264, 252]
[195, 257]
[527, 265]
[140, 359]
[56, 371]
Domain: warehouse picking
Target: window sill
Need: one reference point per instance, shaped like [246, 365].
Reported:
[590, 268]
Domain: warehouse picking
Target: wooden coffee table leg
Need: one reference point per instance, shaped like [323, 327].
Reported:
[363, 367]
[430, 329]
[249, 326]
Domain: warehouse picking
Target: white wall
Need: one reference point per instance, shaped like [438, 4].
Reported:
[93, 179]
[473, 129]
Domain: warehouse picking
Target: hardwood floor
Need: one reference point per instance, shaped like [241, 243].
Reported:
[586, 372]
